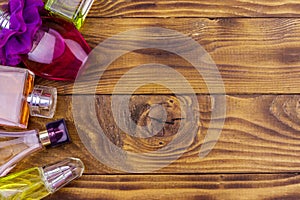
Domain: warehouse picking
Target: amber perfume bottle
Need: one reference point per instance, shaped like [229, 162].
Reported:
[39, 182]
[19, 97]
[50, 47]
[14, 146]
[74, 11]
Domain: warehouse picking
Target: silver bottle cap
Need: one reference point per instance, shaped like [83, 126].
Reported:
[59, 174]
[42, 101]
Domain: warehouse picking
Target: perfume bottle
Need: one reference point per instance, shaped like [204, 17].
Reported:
[19, 97]
[14, 146]
[52, 48]
[39, 182]
[74, 11]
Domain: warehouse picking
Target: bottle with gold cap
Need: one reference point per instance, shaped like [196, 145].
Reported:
[14, 146]
[39, 182]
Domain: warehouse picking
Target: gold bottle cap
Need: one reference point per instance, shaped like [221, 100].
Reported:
[56, 134]
[44, 138]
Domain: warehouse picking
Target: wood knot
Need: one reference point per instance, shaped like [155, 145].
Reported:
[286, 108]
[161, 115]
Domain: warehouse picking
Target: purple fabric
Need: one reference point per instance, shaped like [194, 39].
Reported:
[25, 20]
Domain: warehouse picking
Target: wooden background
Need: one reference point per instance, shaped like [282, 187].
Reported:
[255, 45]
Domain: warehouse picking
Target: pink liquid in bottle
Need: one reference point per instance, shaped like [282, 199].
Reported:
[58, 52]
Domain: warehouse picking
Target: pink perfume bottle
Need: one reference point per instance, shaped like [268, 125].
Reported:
[14, 146]
[52, 48]
[19, 97]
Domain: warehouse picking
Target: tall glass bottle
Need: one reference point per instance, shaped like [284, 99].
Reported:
[39, 182]
[74, 11]
[53, 50]
[14, 146]
[19, 97]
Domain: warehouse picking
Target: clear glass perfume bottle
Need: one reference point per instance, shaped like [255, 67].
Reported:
[74, 11]
[19, 97]
[39, 182]
[53, 50]
[14, 146]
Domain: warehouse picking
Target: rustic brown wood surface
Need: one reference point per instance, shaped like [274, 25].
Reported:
[253, 55]
[196, 8]
[256, 50]
[259, 135]
[219, 186]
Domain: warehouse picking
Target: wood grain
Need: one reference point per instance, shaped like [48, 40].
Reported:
[195, 8]
[260, 135]
[192, 8]
[221, 186]
[252, 56]
[255, 45]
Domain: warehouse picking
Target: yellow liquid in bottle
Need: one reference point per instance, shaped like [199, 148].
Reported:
[26, 184]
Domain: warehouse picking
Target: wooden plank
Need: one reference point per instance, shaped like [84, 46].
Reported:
[194, 186]
[252, 56]
[195, 8]
[260, 134]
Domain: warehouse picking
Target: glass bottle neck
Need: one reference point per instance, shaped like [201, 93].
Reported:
[44, 138]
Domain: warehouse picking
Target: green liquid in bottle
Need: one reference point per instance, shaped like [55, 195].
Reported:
[26, 184]
[74, 11]
[39, 182]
